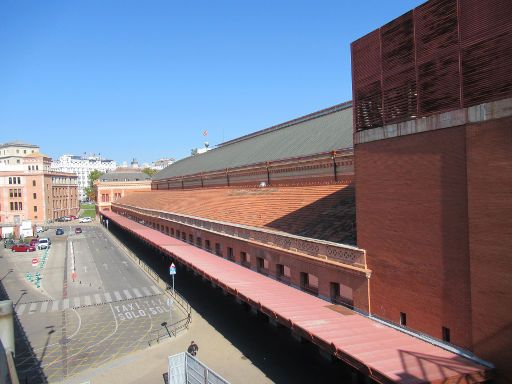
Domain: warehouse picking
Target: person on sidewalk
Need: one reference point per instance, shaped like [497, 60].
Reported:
[193, 348]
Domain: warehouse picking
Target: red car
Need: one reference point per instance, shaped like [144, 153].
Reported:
[23, 248]
[73, 217]
[78, 230]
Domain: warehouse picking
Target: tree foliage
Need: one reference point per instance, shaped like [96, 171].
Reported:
[149, 171]
[90, 191]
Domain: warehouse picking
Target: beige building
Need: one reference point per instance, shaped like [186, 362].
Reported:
[29, 190]
[112, 186]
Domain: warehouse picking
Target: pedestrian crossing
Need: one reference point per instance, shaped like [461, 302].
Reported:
[86, 301]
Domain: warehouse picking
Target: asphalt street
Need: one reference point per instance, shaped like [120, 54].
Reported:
[75, 321]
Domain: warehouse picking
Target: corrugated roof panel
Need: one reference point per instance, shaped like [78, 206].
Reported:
[324, 133]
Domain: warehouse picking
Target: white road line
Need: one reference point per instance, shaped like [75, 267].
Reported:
[44, 307]
[117, 295]
[137, 293]
[108, 298]
[55, 305]
[87, 300]
[155, 289]
[127, 294]
[77, 301]
[97, 298]
[146, 291]
[32, 308]
[65, 304]
[20, 309]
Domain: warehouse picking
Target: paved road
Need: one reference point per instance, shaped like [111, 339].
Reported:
[67, 326]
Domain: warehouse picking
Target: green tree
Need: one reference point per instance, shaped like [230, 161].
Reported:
[90, 191]
[193, 151]
[149, 171]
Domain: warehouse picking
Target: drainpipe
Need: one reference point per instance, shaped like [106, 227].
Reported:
[333, 157]
[227, 175]
[268, 173]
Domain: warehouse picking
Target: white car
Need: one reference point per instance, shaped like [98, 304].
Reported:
[39, 229]
[85, 219]
[44, 243]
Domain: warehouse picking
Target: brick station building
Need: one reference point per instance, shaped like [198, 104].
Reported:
[398, 205]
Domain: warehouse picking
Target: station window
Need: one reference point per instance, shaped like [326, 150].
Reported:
[191, 239]
[34, 184]
[403, 319]
[245, 259]
[446, 334]
[207, 245]
[230, 254]
[35, 208]
[199, 242]
[35, 195]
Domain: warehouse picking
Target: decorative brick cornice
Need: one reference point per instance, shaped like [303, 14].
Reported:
[351, 257]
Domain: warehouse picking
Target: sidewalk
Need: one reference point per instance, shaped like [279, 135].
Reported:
[149, 365]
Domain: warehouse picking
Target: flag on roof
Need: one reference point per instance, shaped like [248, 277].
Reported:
[205, 133]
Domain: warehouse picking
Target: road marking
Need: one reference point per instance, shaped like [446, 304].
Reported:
[32, 308]
[55, 305]
[155, 289]
[76, 300]
[108, 298]
[117, 295]
[20, 309]
[137, 293]
[87, 300]
[146, 291]
[65, 304]
[97, 298]
[127, 293]
[44, 307]
[85, 268]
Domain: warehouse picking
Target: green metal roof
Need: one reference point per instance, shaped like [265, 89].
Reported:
[319, 132]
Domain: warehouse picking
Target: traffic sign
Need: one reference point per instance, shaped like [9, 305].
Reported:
[172, 269]
[35, 261]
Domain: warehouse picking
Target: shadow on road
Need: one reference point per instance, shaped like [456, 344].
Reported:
[28, 365]
[282, 358]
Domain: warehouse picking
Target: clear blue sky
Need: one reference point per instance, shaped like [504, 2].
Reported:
[144, 79]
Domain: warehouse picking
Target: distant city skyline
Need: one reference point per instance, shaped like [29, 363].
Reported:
[147, 80]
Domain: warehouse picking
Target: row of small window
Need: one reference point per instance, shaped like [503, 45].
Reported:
[14, 180]
[33, 167]
[444, 330]
[16, 192]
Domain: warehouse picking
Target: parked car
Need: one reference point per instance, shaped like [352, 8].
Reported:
[9, 243]
[23, 248]
[39, 229]
[85, 219]
[73, 217]
[34, 242]
[59, 231]
[78, 230]
[44, 243]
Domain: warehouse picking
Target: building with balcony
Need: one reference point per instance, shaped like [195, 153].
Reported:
[30, 190]
[82, 166]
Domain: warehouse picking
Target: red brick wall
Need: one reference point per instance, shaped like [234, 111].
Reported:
[411, 209]
[325, 272]
[490, 243]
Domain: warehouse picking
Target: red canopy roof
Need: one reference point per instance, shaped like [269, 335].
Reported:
[383, 353]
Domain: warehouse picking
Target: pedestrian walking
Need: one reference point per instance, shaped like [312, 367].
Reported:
[193, 348]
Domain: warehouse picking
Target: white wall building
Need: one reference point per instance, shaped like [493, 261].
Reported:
[83, 166]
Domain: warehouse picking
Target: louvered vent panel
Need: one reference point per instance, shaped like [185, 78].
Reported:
[436, 28]
[439, 84]
[366, 75]
[368, 108]
[366, 59]
[400, 96]
[481, 19]
[397, 39]
[487, 70]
